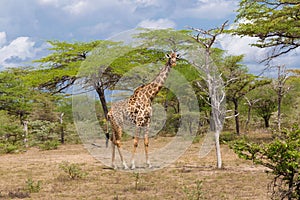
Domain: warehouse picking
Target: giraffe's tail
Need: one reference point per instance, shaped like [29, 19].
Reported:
[107, 139]
[107, 133]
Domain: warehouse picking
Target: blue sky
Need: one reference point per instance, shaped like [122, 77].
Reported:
[26, 25]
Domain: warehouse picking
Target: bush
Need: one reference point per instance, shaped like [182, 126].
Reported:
[8, 148]
[49, 145]
[281, 156]
[73, 170]
[32, 186]
[44, 130]
[44, 134]
[194, 193]
[226, 137]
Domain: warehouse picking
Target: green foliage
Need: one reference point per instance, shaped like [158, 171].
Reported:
[267, 102]
[59, 69]
[43, 130]
[275, 23]
[137, 177]
[73, 170]
[15, 95]
[11, 134]
[9, 148]
[239, 82]
[32, 186]
[167, 39]
[49, 145]
[44, 134]
[227, 137]
[281, 156]
[195, 193]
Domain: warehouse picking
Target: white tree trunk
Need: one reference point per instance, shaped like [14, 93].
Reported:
[25, 129]
[218, 150]
[217, 97]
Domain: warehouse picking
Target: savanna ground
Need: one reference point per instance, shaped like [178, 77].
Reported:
[238, 180]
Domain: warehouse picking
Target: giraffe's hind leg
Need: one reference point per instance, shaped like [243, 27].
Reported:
[113, 148]
[118, 136]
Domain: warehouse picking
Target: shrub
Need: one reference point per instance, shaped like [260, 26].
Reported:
[195, 193]
[10, 148]
[44, 130]
[49, 145]
[32, 186]
[281, 156]
[226, 137]
[73, 170]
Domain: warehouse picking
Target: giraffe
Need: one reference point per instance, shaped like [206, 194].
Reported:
[137, 109]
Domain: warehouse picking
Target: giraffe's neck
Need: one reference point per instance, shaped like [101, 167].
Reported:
[149, 91]
[160, 79]
[155, 86]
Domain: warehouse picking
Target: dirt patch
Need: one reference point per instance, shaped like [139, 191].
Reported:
[238, 180]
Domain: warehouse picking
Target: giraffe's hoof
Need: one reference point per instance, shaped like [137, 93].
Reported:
[114, 166]
[132, 167]
[149, 164]
[125, 166]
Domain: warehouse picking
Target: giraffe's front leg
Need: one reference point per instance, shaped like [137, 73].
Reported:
[118, 144]
[146, 143]
[135, 145]
[113, 147]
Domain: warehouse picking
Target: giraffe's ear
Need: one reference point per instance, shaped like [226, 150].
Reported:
[168, 56]
[178, 56]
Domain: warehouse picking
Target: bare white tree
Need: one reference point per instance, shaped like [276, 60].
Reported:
[281, 89]
[214, 82]
[250, 103]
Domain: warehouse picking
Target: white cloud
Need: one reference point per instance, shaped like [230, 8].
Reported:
[49, 2]
[19, 50]
[235, 45]
[79, 7]
[204, 9]
[2, 38]
[98, 28]
[73, 7]
[157, 24]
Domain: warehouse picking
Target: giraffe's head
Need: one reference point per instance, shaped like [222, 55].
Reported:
[172, 58]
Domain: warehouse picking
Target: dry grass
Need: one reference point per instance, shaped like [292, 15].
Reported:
[238, 180]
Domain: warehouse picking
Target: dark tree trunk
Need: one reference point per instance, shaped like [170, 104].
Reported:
[291, 185]
[266, 119]
[236, 116]
[100, 92]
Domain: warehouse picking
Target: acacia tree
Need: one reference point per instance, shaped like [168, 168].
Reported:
[274, 22]
[267, 103]
[238, 83]
[15, 95]
[58, 70]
